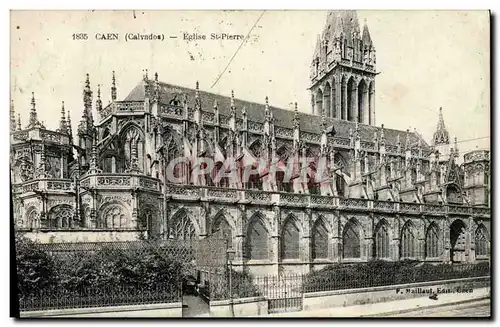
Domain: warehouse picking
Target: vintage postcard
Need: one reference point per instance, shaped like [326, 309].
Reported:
[260, 164]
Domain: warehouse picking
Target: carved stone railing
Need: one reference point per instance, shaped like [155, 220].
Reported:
[208, 117]
[63, 185]
[481, 211]
[283, 131]
[258, 196]
[459, 210]
[129, 106]
[342, 142]
[365, 145]
[320, 200]
[223, 120]
[255, 127]
[50, 136]
[171, 110]
[384, 205]
[182, 190]
[310, 137]
[20, 136]
[148, 183]
[409, 207]
[294, 199]
[113, 180]
[354, 203]
[31, 187]
[433, 208]
[221, 193]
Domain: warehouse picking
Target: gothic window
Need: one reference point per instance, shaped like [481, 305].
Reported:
[453, 194]
[60, 217]
[148, 214]
[257, 240]
[181, 227]
[351, 241]
[290, 240]
[115, 217]
[33, 218]
[382, 242]
[319, 240]
[432, 242]
[254, 180]
[408, 242]
[223, 229]
[481, 241]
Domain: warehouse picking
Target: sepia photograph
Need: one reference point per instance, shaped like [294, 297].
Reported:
[250, 163]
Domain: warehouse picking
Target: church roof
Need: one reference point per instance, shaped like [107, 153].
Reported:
[283, 117]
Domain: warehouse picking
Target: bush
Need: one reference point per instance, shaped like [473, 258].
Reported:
[36, 269]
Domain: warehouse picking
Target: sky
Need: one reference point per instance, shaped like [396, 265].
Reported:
[425, 59]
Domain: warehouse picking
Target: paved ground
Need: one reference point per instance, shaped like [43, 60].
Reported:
[472, 309]
[194, 306]
[447, 305]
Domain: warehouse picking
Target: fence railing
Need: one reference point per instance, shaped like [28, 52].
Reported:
[101, 297]
[286, 291]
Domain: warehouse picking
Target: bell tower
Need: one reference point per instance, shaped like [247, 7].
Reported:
[343, 70]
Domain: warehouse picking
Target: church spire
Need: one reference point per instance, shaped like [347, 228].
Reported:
[98, 102]
[12, 117]
[113, 87]
[18, 122]
[33, 122]
[366, 38]
[441, 136]
[63, 128]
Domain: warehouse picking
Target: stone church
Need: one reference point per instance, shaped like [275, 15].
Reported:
[389, 194]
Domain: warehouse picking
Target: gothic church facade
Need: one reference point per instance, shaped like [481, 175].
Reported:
[389, 194]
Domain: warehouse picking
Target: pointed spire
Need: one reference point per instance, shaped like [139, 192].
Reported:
[366, 38]
[233, 107]
[98, 102]
[267, 114]
[339, 26]
[113, 87]
[382, 135]
[407, 140]
[296, 120]
[244, 111]
[70, 129]
[33, 121]
[145, 76]
[12, 117]
[441, 135]
[63, 128]
[18, 122]
[197, 101]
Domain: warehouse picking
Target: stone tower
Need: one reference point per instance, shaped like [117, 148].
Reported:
[477, 177]
[343, 70]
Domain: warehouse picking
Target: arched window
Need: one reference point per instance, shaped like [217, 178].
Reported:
[257, 240]
[319, 240]
[351, 98]
[327, 105]
[481, 241]
[382, 242]
[115, 216]
[351, 241]
[432, 242]
[408, 242]
[181, 227]
[290, 240]
[60, 217]
[222, 228]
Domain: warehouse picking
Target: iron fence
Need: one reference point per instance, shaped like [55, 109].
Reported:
[285, 292]
[100, 297]
[363, 276]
